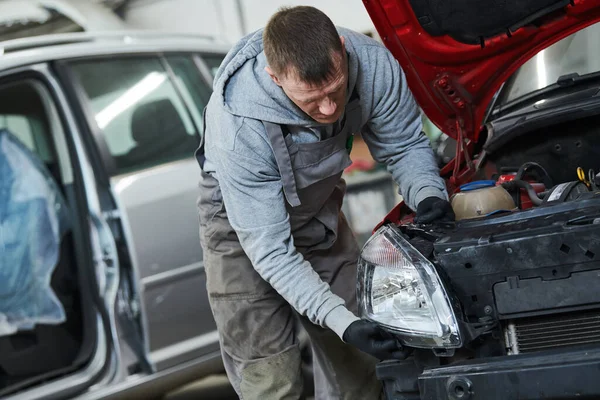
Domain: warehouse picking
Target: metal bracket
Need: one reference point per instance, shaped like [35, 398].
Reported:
[450, 92]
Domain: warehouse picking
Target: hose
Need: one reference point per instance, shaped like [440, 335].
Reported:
[533, 165]
[519, 184]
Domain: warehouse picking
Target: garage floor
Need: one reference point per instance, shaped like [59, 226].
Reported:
[215, 387]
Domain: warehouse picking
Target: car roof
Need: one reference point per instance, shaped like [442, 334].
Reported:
[37, 49]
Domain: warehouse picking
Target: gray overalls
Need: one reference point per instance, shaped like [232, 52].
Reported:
[256, 325]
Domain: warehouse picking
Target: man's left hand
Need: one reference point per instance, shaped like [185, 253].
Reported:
[434, 209]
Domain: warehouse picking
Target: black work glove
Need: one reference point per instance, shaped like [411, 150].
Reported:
[367, 336]
[434, 209]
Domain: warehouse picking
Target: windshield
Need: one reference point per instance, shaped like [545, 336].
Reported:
[577, 53]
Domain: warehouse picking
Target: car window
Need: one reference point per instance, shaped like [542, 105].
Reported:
[213, 61]
[193, 86]
[20, 127]
[23, 114]
[136, 106]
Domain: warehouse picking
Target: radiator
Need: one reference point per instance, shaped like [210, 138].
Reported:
[526, 335]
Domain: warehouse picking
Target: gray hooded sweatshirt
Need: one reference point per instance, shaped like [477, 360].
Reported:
[240, 157]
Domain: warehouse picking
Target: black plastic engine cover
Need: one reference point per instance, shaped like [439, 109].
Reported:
[540, 261]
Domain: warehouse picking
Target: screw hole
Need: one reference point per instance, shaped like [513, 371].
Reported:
[589, 254]
[468, 266]
[565, 249]
[452, 93]
[558, 147]
[474, 298]
[578, 143]
[459, 391]
[554, 272]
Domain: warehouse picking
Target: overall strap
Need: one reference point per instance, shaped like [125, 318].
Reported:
[282, 156]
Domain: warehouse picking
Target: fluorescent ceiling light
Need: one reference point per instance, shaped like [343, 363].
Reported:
[128, 99]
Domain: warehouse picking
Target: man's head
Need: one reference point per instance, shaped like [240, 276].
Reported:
[308, 60]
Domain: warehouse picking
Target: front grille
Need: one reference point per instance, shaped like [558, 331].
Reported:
[550, 332]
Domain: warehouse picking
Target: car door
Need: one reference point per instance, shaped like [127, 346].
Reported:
[146, 112]
[59, 359]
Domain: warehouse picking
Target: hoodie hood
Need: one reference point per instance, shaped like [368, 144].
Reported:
[245, 89]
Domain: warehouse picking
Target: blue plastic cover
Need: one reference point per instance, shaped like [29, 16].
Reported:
[477, 185]
[33, 219]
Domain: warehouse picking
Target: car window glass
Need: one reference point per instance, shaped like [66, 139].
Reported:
[213, 61]
[19, 126]
[194, 88]
[23, 114]
[137, 107]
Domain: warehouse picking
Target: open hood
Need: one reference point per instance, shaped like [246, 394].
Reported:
[457, 53]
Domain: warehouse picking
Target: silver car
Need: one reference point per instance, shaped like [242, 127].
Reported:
[109, 124]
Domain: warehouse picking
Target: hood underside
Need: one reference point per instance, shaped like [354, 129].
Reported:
[457, 53]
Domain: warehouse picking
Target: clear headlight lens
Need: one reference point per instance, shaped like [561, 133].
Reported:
[401, 290]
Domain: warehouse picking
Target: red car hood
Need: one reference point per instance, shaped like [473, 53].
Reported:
[457, 53]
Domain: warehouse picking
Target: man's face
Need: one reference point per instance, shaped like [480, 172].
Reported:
[324, 102]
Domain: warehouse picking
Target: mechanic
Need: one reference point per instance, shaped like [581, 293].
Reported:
[278, 131]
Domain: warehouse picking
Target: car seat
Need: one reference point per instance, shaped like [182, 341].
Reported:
[160, 136]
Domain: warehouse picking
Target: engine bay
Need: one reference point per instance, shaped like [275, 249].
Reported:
[522, 261]
[511, 192]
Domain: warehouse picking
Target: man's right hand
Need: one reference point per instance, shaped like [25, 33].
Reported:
[434, 209]
[369, 337]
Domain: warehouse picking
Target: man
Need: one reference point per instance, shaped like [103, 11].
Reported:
[278, 132]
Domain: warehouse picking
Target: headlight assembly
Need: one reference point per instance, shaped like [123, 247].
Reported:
[401, 290]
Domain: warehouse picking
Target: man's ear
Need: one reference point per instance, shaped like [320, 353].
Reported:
[272, 75]
[343, 40]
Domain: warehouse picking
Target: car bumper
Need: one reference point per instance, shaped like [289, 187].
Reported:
[551, 375]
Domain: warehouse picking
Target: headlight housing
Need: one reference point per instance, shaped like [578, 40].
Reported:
[401, 290]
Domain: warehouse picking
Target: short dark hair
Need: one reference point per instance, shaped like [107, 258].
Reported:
[302, 39]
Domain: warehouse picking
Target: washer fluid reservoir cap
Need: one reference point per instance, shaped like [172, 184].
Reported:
[477, 185]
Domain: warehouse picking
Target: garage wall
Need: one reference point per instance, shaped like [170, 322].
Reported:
[220, 18]
[348, 13]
